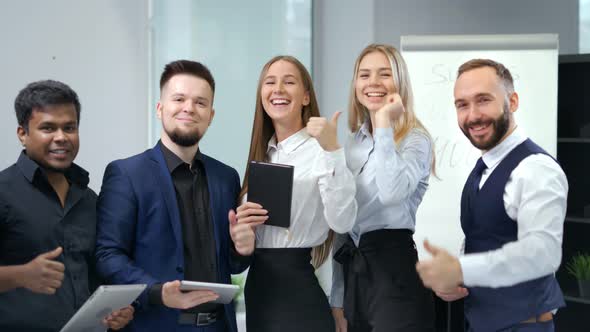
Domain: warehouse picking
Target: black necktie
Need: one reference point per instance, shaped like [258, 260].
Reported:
[480, 166]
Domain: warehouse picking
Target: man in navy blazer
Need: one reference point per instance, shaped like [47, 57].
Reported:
[163, 215]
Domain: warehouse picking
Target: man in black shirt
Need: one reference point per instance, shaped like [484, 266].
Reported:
[47, 217]
[163, 215]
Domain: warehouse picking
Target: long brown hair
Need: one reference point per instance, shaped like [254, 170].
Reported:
[263, 130]
[358, 114]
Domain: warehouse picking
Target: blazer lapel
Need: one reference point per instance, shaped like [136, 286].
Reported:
[213, 181]
[166, 187]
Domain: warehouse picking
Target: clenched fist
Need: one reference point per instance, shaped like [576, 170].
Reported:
[389, 112]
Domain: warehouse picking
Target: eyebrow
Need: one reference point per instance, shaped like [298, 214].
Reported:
[53, 123]
[481, 94]
[180, 94]
[379, 69]
[274, 77]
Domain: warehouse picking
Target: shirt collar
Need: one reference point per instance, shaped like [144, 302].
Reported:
[494, 156]
[29, 168]
[289, 144]
[173, 161]
[365, 129]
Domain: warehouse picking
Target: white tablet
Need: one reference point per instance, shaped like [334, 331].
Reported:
[226, 292]
[100, 304]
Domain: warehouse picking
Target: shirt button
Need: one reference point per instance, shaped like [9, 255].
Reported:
[179, 269]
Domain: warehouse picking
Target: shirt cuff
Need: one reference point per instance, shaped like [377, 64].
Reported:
[475, 269]
[330, 161]
[155, 295]
[336, 301]
[384, 139]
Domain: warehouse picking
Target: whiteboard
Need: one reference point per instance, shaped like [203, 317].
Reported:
[433, 62]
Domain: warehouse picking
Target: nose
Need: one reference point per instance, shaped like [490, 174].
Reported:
[373, 79]
[60, 136]
[279, 87]
[473, 113]
[188, 106]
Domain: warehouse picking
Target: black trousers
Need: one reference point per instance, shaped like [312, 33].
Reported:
[382, 289]
[283, 294]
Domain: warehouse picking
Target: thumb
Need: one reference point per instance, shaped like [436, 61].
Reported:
[433, 250]
[335, 117]
[52, 254]
[232, 217]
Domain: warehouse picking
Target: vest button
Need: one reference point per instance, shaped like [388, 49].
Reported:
[179, 269]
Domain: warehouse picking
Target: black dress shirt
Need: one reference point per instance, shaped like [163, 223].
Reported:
[192, 195]
[32, 222]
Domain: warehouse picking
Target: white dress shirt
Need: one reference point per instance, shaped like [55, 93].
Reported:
[323, 193]
[536, 198]
[390, 180]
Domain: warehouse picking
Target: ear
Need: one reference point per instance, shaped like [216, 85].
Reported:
[306, 98]
[211, 117]
[22, 135]
[513, 102]
[159, 110]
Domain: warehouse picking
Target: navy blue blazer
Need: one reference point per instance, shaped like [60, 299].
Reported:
[139, 238]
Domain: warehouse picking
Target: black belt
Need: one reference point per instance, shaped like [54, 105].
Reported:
[199, 318]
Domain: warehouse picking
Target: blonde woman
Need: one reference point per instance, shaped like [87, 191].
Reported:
[390, 153]
[282, 292]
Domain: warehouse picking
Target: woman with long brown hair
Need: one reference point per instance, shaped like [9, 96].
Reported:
[282, 292]
[391, 155]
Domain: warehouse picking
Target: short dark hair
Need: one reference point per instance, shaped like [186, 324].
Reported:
[186, 67]
[501, 71]
[40, 94]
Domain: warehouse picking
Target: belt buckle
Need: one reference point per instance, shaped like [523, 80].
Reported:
[205, 318]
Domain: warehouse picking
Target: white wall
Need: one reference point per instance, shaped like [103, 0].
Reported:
[99, 48]
[395, 18]
[343, 28]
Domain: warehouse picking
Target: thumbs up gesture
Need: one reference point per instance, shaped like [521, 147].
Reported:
[389, 112]
[44, 274]
[442, 273]
[324, 131]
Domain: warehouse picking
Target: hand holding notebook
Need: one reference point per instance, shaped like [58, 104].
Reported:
[271, 185]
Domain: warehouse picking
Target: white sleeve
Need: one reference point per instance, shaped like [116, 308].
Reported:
[337, 190]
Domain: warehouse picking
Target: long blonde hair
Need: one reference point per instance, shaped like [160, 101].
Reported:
[263, 130]
[358, 114]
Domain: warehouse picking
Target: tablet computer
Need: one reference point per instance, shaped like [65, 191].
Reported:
[100, 304]
[226, 292]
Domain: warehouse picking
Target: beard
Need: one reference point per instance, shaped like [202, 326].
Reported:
[500, 126]
[184, 139]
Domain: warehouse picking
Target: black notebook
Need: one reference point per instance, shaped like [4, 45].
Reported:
[271, 185]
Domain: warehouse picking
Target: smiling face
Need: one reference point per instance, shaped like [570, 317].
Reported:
[51, 139]
[484, 108]
[374, 81]
[283, 93]
[186, 109]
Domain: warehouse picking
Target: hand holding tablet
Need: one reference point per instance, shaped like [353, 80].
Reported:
[225, 292]
[174, 296]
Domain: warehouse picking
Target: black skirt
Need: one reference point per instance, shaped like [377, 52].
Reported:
[382, 290]
[283, 294]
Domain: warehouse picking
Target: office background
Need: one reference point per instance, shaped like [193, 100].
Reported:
[112, 53]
